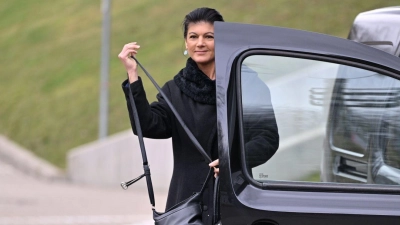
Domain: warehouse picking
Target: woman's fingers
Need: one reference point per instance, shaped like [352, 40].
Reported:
[131, 47]
[215, 165]
[128, 51]
[216, 172]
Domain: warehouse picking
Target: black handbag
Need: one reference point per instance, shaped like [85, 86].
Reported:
[188, 211]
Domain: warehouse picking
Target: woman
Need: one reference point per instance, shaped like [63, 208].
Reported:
[192, 92]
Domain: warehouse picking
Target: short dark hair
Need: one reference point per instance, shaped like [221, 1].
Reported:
[203, 14]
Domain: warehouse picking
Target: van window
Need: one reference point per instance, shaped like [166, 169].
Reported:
[315, 121]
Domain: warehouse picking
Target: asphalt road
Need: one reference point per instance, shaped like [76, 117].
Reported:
[25, 200]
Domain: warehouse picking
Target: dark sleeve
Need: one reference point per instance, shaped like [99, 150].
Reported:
[261, 137]
[155, 118]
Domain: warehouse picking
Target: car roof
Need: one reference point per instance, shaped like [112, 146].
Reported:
[233, 39]
[378, 28]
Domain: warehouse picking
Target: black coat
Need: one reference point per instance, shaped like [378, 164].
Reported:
[157, 121]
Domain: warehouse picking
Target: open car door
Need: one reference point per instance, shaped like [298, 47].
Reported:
[308, 128]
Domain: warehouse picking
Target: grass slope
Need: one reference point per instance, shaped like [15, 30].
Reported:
[50, 55]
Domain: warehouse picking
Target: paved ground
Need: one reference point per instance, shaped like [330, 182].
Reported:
[26, 200]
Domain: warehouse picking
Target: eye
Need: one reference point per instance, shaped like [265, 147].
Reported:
[210, 37]
[192, 36]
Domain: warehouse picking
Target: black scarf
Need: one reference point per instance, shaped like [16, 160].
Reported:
[195, 84]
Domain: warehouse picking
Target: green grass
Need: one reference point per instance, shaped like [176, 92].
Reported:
[312, 177]
[50, 55]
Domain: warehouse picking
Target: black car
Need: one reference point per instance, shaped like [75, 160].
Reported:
[335, 103]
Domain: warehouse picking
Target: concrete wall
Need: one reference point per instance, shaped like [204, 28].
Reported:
[27, 162]
[118, 159]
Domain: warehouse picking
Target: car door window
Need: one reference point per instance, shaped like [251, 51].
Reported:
[315, 121]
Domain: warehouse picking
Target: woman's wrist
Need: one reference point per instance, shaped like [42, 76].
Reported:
[132, 76]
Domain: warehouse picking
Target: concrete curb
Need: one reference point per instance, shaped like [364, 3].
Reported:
[25, 161]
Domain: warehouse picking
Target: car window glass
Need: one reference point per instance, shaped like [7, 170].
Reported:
[309, 120]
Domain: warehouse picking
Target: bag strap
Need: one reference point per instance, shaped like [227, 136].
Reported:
[216, 201]
[146, 167]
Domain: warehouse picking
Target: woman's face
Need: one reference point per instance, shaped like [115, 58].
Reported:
[200, 42]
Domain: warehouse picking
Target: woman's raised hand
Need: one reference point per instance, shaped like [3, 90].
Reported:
[130, 50]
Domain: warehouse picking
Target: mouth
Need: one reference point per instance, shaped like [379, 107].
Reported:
[201, 52]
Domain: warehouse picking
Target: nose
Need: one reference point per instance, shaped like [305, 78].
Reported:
[200, 41]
